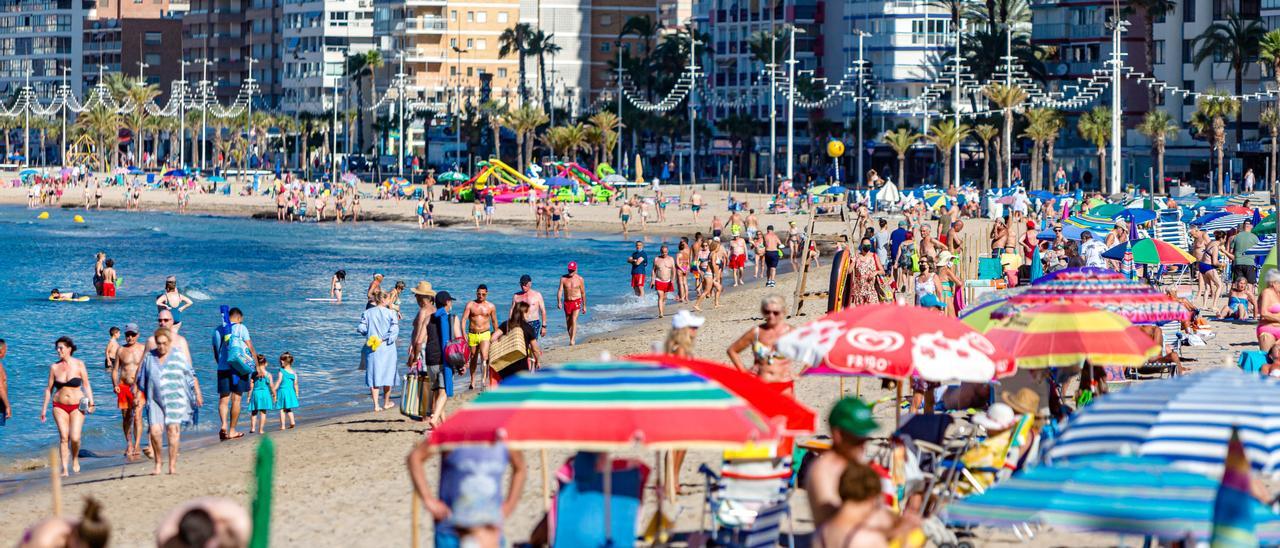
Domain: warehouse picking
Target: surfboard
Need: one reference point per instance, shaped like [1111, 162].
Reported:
[80, 299]
[322, 300]
[836, 285]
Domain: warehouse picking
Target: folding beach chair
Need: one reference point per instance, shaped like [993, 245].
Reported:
[580, 504]
[1170, 229]
[748, 500]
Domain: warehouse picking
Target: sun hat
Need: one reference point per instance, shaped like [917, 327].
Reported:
[684, 319]
[1025, 400]
[424, 289]
[945, 257]
[999, 417]
[854, 416]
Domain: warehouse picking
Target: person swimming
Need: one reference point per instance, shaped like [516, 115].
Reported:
[56, 295]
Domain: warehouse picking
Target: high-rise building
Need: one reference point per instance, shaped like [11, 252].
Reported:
[225, 34]
[319, 36]
[41, 40]
[130, 38]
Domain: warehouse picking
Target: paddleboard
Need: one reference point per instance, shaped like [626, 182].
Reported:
[322, 300]
[836, 285]
[79, 299]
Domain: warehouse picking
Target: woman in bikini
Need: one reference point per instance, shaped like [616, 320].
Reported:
[68, 387]
[1208, 266]
[683, 264]
[173, 301]
[706, 273]
[335, 285]
[761, 340]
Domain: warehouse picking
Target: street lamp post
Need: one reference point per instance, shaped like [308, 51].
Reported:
[457, 113]
[773, 107]
[620, 160]
[861, 176]
[26, 121]
[204, 109]
[400, 81]
[1117, 131]
[955, 106]
[182, 113]
[791, 104]
[693, 113]
[333, 152]
[66, 96]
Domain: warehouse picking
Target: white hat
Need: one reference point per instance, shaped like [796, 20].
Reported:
[684, 319]
[945, 257]
[999, 417]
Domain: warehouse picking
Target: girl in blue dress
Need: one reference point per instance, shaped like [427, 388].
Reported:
[261, 396]
[286, 389]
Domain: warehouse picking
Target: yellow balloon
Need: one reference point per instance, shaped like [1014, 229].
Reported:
[77, 219]
[835, 149]
[43, 215]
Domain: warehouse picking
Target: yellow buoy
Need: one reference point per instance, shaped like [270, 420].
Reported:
[77, 219]
[43, 215]
[835, 149]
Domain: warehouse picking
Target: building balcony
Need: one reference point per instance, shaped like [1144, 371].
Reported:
[1063, 31]
[429, 56]
[426, 25]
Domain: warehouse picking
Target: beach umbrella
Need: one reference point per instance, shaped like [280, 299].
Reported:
[1041, 195]
[1070, 232]
[1234, 523]
[452, 177]
[833, 190]
[1219, 220]
[818, 189]
[1134, 300]
[1145, 202]
[1238, 210]
[1126, 495]
[1150, 251]
[1185, 419]
[1265, 244]
[27, 173]
[1065, 335]
[897, 342]
[614, 179]
[935, 200]
[763, 397]
[1267, 226]
[1108, 211]
[263, 478]
[1079, 273]
[1097, 225]
[606, 406]
[979, 317]
[217, 179]
[1135, 215]
[175, 173]
[1212, 202]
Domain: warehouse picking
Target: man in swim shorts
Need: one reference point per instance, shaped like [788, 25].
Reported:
[537, 314]
[479, 318]
[772, 254]
[695, 204]
[124, 378]
[737, 258]
[624, 213]
[664, 271]
[639, 262]
[572, 298]
[109, 278]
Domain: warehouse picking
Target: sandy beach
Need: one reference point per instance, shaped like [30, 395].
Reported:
[342, 482]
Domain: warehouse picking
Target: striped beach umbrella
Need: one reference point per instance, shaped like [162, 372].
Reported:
[606, 406]
[1220, 220]
[1213, 202]
[1186, 420]
[1150, 251]
[1134, 300]
[1097, 225]
[1064, 335]
[1127, 495]
[1264, 245]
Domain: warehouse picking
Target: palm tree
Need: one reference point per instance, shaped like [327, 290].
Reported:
[1270, 119]
[523, 122]
[1006, 98]
[609, 125]
[594, 138]
[542, 45]
[985, 133]
[100, 124]
[741, 130]
[494, 111]
[1217, 106]
[901, 140]
[515, 40]
[1042, 124]
[139, 94]
[1269, 52]
[1095, 126]
[946, 135]
[1159, 127]
[1235, 42]
[641, 27]
[1152, 10]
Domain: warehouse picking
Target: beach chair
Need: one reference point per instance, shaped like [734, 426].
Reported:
[580, 505]
[748, 500]
[1170, 229]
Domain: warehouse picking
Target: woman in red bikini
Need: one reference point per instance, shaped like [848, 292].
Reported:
[69, 388]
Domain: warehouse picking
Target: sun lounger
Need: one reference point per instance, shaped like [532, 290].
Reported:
[748, 500]
[580, 504]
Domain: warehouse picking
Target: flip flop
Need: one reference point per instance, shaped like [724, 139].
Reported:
[222, 435]
[237, 436]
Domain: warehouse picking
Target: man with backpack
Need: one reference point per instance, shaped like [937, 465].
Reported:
[228, 339]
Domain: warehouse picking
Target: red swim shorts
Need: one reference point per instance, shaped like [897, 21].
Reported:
[665, 287]
[572, 305]
[637, 280]
[737, 261]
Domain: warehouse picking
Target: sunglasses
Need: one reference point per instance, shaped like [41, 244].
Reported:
[771, 312]
[164, 320]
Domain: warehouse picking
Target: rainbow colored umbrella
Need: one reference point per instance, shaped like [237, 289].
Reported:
[607, 406]
[1134, 300]
[1096, 225]
[1150, 251]
[979, 317]
[1064, 335]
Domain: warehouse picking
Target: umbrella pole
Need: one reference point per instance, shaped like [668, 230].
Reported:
[546, 481]
[608, 490]
[857, 387]
[897, 406]
[841, 387]
[413, 519]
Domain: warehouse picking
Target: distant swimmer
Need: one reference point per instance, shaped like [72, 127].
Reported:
[68, 296]
[173, 301]
[335, 285]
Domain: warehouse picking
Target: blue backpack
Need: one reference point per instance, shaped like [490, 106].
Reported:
[238, 356]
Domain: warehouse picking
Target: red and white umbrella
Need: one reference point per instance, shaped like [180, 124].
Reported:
[897, 342]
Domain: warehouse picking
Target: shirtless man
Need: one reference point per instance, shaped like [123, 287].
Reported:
[717, 226]
[695, 204]
[113, 344]
[954, 241]
[771, 246]
[664, 271]
[999, 237]
[537, 314]
[371, 294]
[624, 213]
[124, 377]
[738, 258]
[109, 278]
[572, 298]
[479, 317]
[753, 224]
[929, 245]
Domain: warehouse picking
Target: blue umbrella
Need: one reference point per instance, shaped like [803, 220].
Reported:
[1135, 215]
[1214, 222]
[176, 173]
[1037, 270]
[1185, 419]
[1070, 232]
[1213, 202]
[834, 189]
[1111, 493]
[1041, 194]
[27, 173]
[135, 170]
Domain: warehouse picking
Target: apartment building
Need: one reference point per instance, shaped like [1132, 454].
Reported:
[134, 38]
[219, 36]
[319, 35]
[43, 41]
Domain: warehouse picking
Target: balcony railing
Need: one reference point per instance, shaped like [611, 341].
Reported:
[426, 24]
[1058, 31]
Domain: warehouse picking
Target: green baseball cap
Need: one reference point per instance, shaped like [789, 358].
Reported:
[854, 416]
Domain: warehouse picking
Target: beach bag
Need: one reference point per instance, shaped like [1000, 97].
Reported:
[239, 359]
[457, 353]
[416, 402]
[507, 350]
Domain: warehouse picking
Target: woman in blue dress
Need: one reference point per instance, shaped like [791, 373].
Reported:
[286, 390]
[380, 326]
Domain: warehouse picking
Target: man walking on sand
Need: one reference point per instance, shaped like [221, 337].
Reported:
[695, 204]
[771, 246]
[572, 298]
[479, 317]
[639, 261]
[664, 269]
[537, 314]
[124, 378]
[426, 353]
[231, 386]
[624, 214]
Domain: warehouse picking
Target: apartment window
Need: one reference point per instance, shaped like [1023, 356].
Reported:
[469, 71]
[482, 43]
[471, 43]
[152, 59]
[152, 38]
[1188, 48]
[482, 17]
[1188, 11]
[471, 17]
[453, 43]
[606, 20]
[1159, 51]
[453, 15]
[502, 73]
[453, 70]
[1189, 85]
[604, 47]
[502, 17]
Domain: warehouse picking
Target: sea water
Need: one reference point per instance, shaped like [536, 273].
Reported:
[268, 270]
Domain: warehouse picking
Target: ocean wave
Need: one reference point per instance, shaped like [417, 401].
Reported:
[628, 304]
[197, 295]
